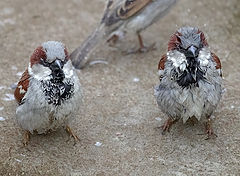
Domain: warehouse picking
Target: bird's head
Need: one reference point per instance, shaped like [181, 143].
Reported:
[189, 41]
[50, 61]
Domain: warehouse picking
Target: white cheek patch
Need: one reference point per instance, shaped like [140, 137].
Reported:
[39, 72]
[68, 69]
[178, 59]
[204, 57]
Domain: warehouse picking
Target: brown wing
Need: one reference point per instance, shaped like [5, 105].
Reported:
[131, 7]
[218, 63]
[22, 87]
[161, 66]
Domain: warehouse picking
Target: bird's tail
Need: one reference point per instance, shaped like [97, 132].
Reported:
[80, 55]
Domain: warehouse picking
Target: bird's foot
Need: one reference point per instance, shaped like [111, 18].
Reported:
[26, 138]
[167, 125]
[142, 49]
[71, 134]
[209, 130]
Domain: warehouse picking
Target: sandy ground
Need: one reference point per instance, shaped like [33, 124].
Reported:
[117, 123]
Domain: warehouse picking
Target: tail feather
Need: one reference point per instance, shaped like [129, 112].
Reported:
[81, 54]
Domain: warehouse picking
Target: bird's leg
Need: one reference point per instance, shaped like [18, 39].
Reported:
[209, 130]
[26, 138]
[142, 48]
[113, 40]
[71, 134]
[167, 125]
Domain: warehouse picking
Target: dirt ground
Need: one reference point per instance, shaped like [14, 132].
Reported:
[117, 123]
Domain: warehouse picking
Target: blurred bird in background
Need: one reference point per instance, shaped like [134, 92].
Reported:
[120, 17]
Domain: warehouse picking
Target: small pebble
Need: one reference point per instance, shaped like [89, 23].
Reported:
[158, 119]
[19, 74]
[98, 144]
[136, 79]
[2, 119]
[9, 97]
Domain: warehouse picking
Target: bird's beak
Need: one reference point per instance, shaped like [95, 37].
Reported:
[57, 65]
[193, 50]
[57, 71]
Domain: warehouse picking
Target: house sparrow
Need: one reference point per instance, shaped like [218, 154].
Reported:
[120, 17]
[48, 92]
[190, 79]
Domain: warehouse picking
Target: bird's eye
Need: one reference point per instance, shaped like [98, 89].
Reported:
[44, 63]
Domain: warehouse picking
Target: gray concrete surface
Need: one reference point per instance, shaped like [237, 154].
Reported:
[117, 123]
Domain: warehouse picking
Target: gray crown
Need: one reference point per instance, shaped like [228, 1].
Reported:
[190, 36]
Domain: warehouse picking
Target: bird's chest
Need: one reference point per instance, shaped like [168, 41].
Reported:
[56, 93]
[193, 102]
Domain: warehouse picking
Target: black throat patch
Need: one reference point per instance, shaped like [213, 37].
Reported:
[192, 74]
[57, 92]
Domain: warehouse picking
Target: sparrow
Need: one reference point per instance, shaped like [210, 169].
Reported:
[49, 91]
[190, 79]
[120, 17]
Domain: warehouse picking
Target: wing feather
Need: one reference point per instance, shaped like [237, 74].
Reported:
[22, 87]
[131, 7]
[218, 63]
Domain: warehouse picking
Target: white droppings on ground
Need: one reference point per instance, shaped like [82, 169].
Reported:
[136, 79]
[98, 144]
[19, 74]
[14, 68]
[1, 108]
[232, 106]
[6, 11]
[158, 118]
[2, 87]
[14, 85]
[18, 160]
[98, 62]
[9, 97]
[2, 119]
[7, 21]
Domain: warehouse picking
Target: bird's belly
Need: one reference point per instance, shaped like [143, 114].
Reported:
[193, 104]
[185, 103]
[43, 119]
[38, 114]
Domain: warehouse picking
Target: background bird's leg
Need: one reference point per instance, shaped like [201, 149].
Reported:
[140, 41]
[209, 129]
[142, 47]
[167, 125]
[70, 132]
[26, 138]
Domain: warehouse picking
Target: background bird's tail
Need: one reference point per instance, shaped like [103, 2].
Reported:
[80, 55]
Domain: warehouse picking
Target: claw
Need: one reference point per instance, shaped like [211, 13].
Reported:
[167, 125]
[209, 130]
[26, 138]
[142, 48]
[71, 134]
